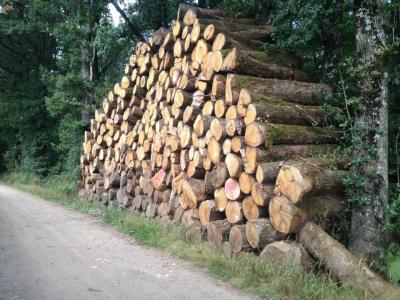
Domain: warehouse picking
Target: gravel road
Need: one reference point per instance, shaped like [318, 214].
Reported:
[50, 252]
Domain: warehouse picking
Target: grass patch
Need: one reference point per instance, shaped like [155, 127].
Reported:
[244, 271]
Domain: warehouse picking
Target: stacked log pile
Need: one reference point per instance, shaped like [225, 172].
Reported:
[207, 128]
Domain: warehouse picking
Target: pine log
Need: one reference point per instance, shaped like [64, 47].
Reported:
[268, 134]
[219, 174]
[305, 178]
[158, 180]
[237, 239]
[214, 150]
[285, 216]
[251, 210]
[196, 190]
[288, 253]
[246, 182]
[232, 189]
[234, 212]
[218, 231]
[267, 172]
[234, 165]
[338, 260]
[260, 232]
[282, 152]
[269, 109]
[262, 193]
[239, 61]
[292, 91]
[220, 198]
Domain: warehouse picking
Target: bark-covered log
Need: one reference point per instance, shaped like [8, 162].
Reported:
[288, 90]
[269, 134]
[241, 62]
[218, 231]
[338, 260]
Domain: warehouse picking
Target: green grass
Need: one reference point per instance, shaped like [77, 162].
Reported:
[244, 271]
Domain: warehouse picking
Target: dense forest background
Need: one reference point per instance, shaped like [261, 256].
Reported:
[59, 58]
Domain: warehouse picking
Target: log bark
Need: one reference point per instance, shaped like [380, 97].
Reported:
[267, 172]
[219, 174]
[338, 260]
[267, 134]
[282, 152]
[239, 61]
[218, 231]
[292, 91]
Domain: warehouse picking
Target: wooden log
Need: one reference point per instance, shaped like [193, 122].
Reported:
[269, 109]
[218, 231]
[262, 193]
[288, 90]
[158, 180]
[287, 253]
[237, 239]
[196, 190]
[338, 260]
[268, 134]
[214, 150]
[260, 232]
[220, 198]
[285, 216]
[305, 178]
[189, 14]
[234, 212]
[267, 172]
[232, 189]
[281, 152]
[208, 212]
[219, 174]
[151, 210]
[234, 165]
[239, 61]
[246, 182]
[251, 210]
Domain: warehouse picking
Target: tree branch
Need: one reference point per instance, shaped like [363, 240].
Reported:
[109, 63]
[133, 28]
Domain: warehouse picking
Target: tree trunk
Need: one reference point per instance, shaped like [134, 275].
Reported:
[371, 128]
[218, 231]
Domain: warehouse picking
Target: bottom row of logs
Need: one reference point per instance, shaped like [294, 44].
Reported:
[253, 236]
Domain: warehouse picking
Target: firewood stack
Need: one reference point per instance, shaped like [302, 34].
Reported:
[208, 128]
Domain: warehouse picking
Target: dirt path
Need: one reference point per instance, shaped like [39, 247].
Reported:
[50, 252]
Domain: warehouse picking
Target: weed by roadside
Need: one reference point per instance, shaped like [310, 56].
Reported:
[244, 271]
